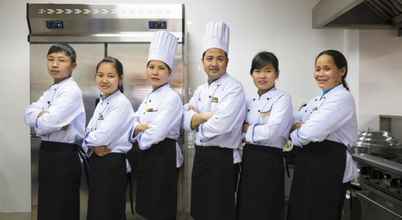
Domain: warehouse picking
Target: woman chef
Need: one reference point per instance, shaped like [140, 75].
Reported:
[323, 136]
[155, 131]
[58, 118]
[269, 119]
[107, 142]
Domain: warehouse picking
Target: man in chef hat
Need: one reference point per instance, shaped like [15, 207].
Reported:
[155, 132]
[216, 113]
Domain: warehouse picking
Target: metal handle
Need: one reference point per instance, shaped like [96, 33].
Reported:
[361, 194]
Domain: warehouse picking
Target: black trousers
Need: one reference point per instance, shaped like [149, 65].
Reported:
[107, 192]
[261, 189]
[317, 190]
[59, 181]
[213, 184]
[156, 175]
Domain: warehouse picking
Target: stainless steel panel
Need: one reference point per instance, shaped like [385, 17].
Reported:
[102, 23]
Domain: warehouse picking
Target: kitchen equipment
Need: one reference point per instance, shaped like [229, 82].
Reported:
[380, 196]
[379, 143]
[358, 14]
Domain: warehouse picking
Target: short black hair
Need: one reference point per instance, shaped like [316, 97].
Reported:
[63, 47]
[264, 58]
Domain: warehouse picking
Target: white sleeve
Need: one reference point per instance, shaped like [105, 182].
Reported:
[64, 109]
[189, 113]
[333, 113]
[278, 122]
[33, 110]
[136, 121]
[111, 127]
[230, 112]
[159, 128]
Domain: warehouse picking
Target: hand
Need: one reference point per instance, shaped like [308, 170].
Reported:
[200, 118]
[245, 126]
[101, 151]
[296, 126]
[141, 128]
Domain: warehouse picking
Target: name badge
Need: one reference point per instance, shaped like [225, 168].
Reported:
[265, 114]
[214, 99]
[151, 110]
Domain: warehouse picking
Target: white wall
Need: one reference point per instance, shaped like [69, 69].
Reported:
[281, 26]
[381, 76]
[15, 168]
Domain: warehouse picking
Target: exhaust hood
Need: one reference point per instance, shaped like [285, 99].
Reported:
[358, 14]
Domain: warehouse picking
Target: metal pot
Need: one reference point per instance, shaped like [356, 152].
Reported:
[379, 143]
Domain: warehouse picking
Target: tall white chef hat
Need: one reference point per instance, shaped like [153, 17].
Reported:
[217, 36]
[163, 48]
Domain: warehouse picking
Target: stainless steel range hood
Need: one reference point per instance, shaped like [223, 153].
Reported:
[358, 14]
[99, 23]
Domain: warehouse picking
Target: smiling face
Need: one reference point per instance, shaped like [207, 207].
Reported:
[264, 78]
[157, 73]
[215, 62]
[107, 79]
[59, 66]
[327, 74]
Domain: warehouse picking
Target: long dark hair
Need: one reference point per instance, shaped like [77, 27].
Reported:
[264, 58]
[117, 65]
[340, 62]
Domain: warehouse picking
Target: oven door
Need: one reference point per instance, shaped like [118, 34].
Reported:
[371, 204]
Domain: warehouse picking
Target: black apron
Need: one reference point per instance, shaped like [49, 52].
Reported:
[107, 192]
[213, 184]
[317, 190]
[261, 189]
[59, 181]
[156, 175]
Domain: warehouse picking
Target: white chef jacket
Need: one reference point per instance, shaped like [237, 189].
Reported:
[64, 120]
[330, 116]
[162, 110]
[225, 98]
[270, 117]
[110, 124]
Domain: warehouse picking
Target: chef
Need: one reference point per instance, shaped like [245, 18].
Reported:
[107, 142]
[58, 118]
[216, 113]
[323, 136]
[155, 132]
[269, 119]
